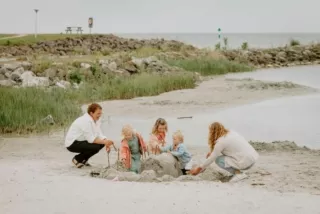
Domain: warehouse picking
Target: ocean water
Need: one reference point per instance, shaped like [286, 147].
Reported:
[292, 118]
[235, 40]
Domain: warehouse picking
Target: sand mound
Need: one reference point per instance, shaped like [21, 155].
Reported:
[265, 85]
[160, 168]
[278, 146]
[163, 164]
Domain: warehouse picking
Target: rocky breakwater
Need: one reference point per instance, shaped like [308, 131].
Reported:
[58, 74]
[277, 57]
[89, 44]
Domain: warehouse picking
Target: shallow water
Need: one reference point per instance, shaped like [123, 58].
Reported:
[293, 118]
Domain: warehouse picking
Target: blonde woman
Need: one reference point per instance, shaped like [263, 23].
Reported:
[230, 151]
[158, 136]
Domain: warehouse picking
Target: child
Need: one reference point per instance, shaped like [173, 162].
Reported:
[158, 135]
[132, 147]
[230, 151]
[179, 150]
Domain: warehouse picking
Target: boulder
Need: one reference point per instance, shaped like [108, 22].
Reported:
[51, 73]
[11, 66]
[85, 65]
[29, 79]
[63, 84]
[26, 65]
[7, 83]
[112, 66]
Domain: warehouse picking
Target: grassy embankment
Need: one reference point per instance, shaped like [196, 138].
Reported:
[22, 109]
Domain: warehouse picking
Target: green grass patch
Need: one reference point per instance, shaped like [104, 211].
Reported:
[30, 39]
[209, 66]
[6, 35]
[22, 109]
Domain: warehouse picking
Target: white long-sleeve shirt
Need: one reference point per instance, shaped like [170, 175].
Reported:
[240, 154]
[84, 128]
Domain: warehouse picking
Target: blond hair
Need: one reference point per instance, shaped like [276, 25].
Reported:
[159, 121]
[216, 130]
[126, 129]
[179, 135]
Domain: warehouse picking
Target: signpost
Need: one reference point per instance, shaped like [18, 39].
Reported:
[219, 35]
[36, 24]
[90, 23]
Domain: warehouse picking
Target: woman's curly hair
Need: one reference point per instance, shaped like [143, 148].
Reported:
[216, 130]
[159, 121]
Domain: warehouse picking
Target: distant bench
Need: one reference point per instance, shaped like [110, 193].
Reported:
[78, 30]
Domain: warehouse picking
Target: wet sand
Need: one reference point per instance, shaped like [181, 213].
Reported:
[37, 175]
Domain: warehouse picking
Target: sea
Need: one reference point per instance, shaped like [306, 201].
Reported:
[235, 40]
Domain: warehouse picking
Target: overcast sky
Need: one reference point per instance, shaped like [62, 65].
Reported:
[154, 16]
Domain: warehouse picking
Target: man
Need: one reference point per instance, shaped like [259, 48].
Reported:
[85, 136]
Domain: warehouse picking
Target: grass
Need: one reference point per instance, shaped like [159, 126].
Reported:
[22, 109]
[208, 66]
[6, 35]
[29, 39]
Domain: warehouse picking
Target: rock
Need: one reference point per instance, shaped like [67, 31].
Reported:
[8, 74]
[85, 65]
[163, 164]
[103, 62]
[3, 70]
[122, 72]
[51, 73]
[63, 84]
[139, 62]
[29, 79]
[26, 65]
[150, 59]
[19, 70]
[2, 77]
[11, 66]
[7, 83]
[130, 67]
[112, 66]
[15, 76]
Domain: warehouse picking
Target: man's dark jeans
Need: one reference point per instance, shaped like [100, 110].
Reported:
[85, 149]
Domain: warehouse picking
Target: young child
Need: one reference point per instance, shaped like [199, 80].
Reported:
[132, 147]
[158, 135]
[179, 150]
[230, 151]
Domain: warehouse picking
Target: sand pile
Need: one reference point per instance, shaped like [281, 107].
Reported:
[281, 146]
[160, 168]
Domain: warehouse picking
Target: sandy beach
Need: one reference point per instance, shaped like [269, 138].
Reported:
[37, 175]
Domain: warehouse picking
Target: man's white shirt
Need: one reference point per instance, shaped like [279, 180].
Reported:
[84, 129]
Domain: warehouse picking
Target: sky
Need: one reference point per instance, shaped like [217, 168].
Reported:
[161, 16]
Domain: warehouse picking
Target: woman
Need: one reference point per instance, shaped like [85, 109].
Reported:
[158, 135]
[230, 151]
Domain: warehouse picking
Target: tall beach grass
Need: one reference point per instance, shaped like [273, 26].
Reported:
[22, 109]
[210, 66]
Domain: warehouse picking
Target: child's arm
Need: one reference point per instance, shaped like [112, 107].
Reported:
[165, 148]
[181, 149]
